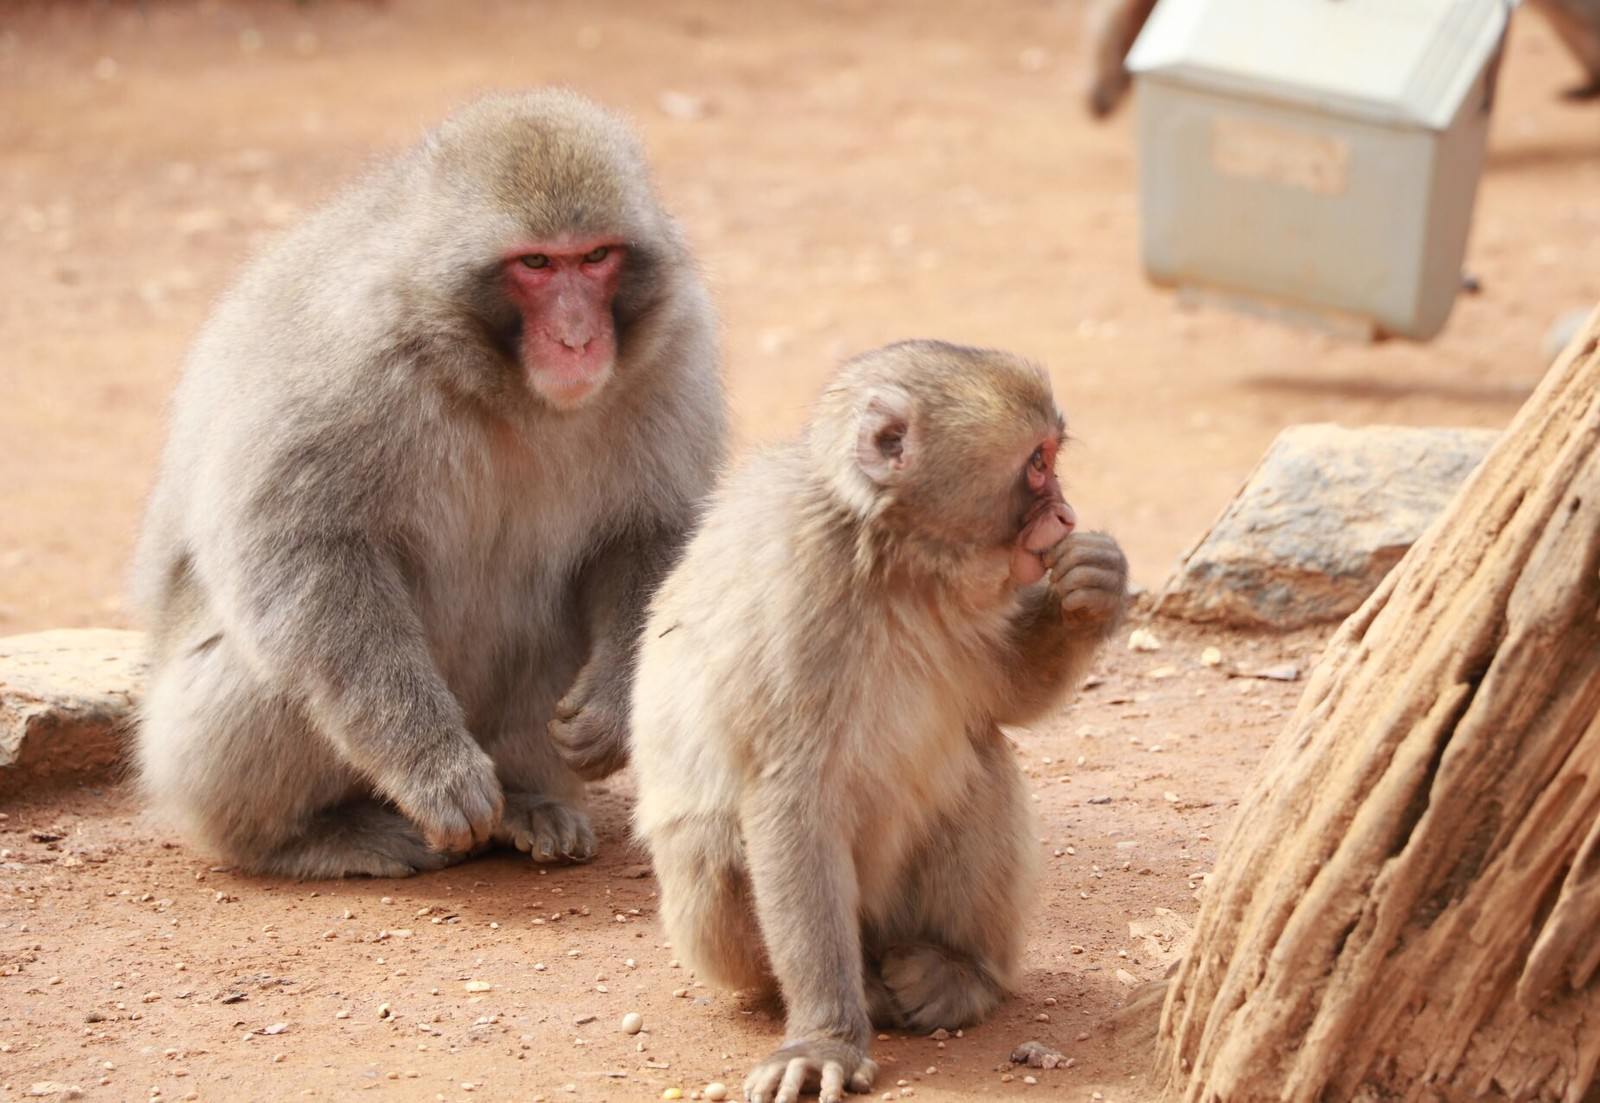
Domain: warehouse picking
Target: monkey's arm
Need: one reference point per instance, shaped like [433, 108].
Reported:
[1060, 625]
[327, 617]
[805, 891]
[590, 726]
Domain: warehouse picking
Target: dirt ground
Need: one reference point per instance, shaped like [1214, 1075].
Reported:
[849, 173]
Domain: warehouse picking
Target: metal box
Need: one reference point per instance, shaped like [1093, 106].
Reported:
[1316, 159]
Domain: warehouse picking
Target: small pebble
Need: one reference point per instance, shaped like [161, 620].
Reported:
[632, 1023]
[716, 1091]
[1211, 656]
[478, 986]
[1142, 639]
[672, 1093]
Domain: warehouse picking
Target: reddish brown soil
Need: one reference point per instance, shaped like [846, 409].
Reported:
[118, 945]
[851, 173]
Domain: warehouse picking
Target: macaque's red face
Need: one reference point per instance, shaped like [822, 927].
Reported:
[563, 291]
[1046, 517]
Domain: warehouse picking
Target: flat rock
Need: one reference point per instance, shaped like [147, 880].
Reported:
[66, 701]
[1325, 515]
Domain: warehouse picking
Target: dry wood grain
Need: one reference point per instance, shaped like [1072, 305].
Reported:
[1409, 906]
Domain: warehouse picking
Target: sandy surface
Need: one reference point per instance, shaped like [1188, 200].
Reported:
[116, 945]
[849, 173]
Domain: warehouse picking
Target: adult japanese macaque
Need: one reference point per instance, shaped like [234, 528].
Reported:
[427, 460]
[823, 784]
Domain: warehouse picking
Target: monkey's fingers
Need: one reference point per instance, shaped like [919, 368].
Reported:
[1094, 548]
[459, 805]
[1092, 595]
[795, 1075]
[593, 743]
[832, 1089]
[457, 832]
[762, 1082]
[861, 1080]
[448, 833]
[1089, 577]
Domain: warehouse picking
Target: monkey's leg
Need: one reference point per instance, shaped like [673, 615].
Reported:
[949, 949]
[243, 772]
[706, 904]
[543, 815]
[1577, 24]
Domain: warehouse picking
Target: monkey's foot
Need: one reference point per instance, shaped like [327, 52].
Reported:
[355, 840]
[825, 1065]
[927, 987]
[545, 829]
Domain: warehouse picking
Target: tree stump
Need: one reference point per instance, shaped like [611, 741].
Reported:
[1409, 904]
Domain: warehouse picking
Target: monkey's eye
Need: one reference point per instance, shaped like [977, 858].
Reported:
[596, 255]
[536, 260]
[1037, 460]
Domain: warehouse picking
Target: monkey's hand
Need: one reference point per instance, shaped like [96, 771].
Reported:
[1089, 577]
[826, 1066]
[590, 728]
[452, 795]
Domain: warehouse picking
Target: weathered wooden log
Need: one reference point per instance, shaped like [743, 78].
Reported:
[1409, 904]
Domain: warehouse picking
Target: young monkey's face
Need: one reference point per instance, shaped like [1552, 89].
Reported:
[1045, 518]
[960, 446]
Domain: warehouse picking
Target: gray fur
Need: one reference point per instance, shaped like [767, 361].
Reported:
[830, 805]
[374, 560]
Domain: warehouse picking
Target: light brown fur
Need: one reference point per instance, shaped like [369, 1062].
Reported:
[823, 785]
[375, 559]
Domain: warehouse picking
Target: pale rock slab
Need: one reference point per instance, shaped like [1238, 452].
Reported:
[66, 701]
[1324, 516]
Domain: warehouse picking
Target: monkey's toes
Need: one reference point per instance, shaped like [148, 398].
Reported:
[829, 1068]
[935, 987]
[546, 830]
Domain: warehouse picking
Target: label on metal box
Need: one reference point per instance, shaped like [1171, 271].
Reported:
[1254, 150]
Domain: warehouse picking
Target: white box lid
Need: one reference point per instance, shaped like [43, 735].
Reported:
[1393, 61]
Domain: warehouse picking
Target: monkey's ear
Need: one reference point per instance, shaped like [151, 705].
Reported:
[886, 438]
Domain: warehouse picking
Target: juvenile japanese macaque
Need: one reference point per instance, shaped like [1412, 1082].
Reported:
[427, 460]
[823, 785]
